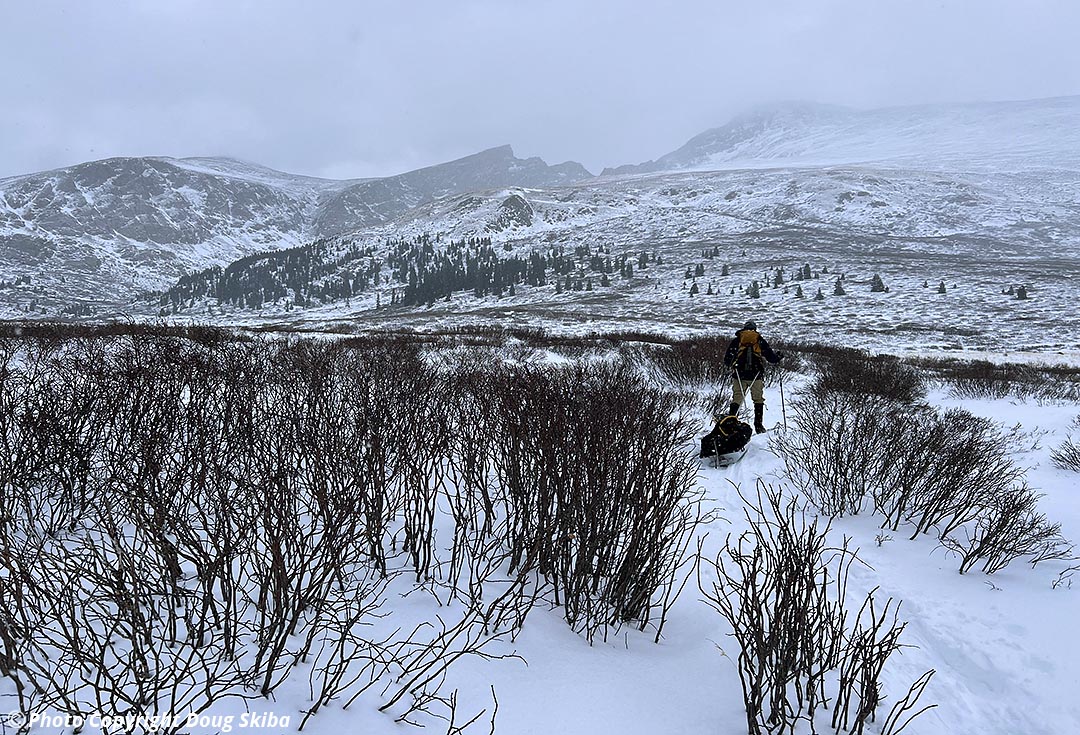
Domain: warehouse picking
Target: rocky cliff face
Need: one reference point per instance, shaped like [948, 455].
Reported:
[379, 201]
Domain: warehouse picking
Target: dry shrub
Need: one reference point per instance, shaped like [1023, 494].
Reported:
[1067, 455]
[187, 517]
[782, 587]
[982, 379]
[598, 487]
[947, 473]
[859, 372]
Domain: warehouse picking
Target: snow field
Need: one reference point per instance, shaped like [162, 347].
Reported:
[1004, 647]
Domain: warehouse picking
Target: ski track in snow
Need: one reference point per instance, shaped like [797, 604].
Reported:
[1006, 655]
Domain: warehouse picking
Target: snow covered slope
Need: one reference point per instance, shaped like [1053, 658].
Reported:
[981, 198]
[981, 233]
[108, 228]
[379, 201]
[236, 169]
[994, 134]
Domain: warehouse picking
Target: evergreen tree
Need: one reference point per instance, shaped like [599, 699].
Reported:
[798, 292]
[755, 290]
[838, 289]
[725, 271]
[941, 287]
[1021, 292]
[694, 289]
[819, 296]
[877, 285]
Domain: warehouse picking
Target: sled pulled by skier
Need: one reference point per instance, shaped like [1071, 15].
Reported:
[727, 441]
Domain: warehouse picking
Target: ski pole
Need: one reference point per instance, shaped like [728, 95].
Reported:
[742, 388]
[783, 408]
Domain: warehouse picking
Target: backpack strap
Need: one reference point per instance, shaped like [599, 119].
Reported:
[728, 425]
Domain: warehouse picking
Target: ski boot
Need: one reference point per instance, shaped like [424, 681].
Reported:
[759, 418]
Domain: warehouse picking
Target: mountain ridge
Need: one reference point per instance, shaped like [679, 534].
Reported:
[378, 201]
[127, 223]
[103, 231]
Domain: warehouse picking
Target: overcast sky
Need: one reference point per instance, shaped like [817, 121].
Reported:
[353, 88]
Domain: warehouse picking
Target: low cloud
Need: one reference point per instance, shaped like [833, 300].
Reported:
[345, 89]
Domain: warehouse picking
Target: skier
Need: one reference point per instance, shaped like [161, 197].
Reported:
[746, 355]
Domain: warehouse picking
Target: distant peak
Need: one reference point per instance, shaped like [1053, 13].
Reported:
[219, 159]
[797, 109]
[223, 159]
[502, 154]
[799, 132]
[499, 151]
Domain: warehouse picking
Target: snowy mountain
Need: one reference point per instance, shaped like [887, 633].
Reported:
[956, 207]
[378, 201]
[981, 233]
[938, 136]
[106, 228]
[122, 215]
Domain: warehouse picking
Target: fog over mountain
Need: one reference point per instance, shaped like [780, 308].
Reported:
[1030, 132]
[931, 187]
[351, 90]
